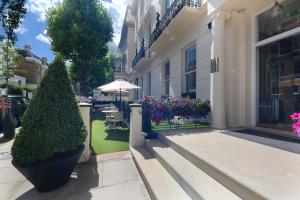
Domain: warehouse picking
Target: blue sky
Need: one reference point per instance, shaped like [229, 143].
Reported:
[32, 30]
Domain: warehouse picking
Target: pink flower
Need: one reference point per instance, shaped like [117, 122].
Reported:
[295, 116]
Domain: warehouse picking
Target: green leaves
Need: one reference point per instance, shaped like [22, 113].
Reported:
[11, 14]
[8, 60]
[80, 31]
[52, 122]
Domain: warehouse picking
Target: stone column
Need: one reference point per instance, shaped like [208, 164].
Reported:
[217, 87]
[85, 110]
[136, 138]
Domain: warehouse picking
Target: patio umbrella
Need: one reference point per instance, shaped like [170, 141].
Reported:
[119, 85]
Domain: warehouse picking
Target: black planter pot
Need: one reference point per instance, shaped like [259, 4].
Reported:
[53, 173]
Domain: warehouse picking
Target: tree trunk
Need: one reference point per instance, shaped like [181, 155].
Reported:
[84, 88]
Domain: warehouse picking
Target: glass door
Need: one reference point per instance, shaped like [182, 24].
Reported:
[279, 82]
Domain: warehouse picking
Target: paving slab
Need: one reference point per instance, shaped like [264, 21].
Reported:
[111, 176]
[118, 171]
[10, 175]
[116, 192]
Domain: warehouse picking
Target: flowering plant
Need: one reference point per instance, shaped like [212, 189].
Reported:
[82, 99]
[159, 110]
[296, 126]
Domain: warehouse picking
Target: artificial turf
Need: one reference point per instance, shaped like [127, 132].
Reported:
[108, 140]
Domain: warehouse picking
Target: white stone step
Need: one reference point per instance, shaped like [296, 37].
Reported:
[251, 170]
[158, 181]
[196, 183]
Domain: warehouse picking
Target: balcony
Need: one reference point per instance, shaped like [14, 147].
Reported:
[179, 17]
[140, 58]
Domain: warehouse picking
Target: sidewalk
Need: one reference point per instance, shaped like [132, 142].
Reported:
[110, 177]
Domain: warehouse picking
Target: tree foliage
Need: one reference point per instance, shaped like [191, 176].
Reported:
[52, 122]
[8, 60]
[11, 14]
[80, 31]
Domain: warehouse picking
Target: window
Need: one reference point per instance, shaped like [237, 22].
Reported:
[149, 84]
[278, 68]
[290, 19]
[149, 33]
[137, 91]
[142, 6]
[190, 69]
[166, 74]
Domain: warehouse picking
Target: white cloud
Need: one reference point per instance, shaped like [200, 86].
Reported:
[40, 7]
[43, 37]
[117, 9]
[21, 30]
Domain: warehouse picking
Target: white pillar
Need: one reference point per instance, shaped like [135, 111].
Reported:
[217, 93]
[136, 138]
[85, 110]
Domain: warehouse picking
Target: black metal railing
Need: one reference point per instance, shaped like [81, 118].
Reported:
[171, 13]
[138, 56]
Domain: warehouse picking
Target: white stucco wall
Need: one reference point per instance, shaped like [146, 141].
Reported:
[240, 83]
[198, 34]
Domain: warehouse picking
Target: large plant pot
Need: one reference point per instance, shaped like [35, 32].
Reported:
[53, 173]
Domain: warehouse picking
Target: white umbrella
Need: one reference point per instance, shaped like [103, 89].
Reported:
[119, 85]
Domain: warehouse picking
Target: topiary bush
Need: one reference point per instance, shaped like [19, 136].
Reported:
[52, 123]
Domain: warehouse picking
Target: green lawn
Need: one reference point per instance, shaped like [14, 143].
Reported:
[110, 140]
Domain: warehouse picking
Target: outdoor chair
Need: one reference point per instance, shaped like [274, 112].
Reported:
[114, 119]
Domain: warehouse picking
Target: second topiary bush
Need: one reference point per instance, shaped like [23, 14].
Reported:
[52, 123]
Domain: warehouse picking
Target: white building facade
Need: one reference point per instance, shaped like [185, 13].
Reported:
[242, 55]
[125, 51]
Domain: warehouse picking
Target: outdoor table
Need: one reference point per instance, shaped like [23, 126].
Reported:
[108, 114]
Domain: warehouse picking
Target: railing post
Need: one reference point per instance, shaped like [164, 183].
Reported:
[85, 110]
[136, 138]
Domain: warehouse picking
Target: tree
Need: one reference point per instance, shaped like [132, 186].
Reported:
[101, 73]
[11, 14]
[80, 31]
[8, 61]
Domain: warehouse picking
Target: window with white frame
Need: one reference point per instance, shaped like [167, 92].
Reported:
[136, 92]
[166, 75]
[190, 69]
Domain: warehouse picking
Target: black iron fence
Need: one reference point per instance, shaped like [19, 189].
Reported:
[171, 13]
[141, 54]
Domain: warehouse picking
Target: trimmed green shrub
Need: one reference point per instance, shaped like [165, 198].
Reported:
[13, 89]
[52, 122]
[8, 127]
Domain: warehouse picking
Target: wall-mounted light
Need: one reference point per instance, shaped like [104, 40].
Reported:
[277, 10]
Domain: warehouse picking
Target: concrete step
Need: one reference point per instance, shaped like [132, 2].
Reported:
[251, 170]
[195, 182]
[158, 181]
